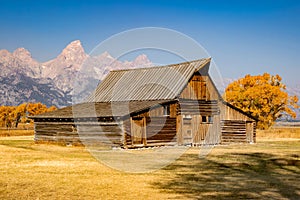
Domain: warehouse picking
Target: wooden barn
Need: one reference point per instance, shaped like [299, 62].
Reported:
[168, 105]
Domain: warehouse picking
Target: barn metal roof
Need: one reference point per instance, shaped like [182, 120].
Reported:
[155, 83]
[124, 92]
[102, 109]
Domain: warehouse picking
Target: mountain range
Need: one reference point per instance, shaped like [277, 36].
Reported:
[23, 79]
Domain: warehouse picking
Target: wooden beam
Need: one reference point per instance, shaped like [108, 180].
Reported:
[144, 131]
[179, 125]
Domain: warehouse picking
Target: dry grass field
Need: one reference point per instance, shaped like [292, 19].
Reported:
[15, 132]
[279, 132]
[23, 129]
[269, 169]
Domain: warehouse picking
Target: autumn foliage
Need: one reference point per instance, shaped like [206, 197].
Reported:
[263, 96]
[12, 115]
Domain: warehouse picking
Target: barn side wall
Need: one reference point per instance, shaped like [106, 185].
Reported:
[236, 127]
[161, 131]
[101, 134]
[91, 132]
[198, 112]
[200, 99]
[56, 132]
[151, 128]
[198, 122]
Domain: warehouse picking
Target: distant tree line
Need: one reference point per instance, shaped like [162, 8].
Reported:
[11, 116]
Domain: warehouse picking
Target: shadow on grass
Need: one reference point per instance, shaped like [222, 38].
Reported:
[233, 176]
[21, 144]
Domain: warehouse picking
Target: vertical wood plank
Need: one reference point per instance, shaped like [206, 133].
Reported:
[124, 138]
[179, 125]
[132, 128]
[144, 128]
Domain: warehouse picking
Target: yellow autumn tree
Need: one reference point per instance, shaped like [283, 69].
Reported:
[263, 97]
[19, 113]
[7, 116]
[36, 108]
[12, 115]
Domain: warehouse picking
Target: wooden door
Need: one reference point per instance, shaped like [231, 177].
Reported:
[187, 131]
[249, 132]
[196, 129]
[138, 131]
[200, 131]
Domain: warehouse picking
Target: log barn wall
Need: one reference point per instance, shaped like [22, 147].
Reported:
[161, 131]
[229, 113]
[236, 127]
[198, 107]
[58, 132]
[151, 128]
[104, 134]
[198, 101]
[198, 122]
[90, 132]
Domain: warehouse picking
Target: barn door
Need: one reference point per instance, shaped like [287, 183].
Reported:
[194, 130]
[250, 132]
[201, 128]
[187, 130]
[138, 131]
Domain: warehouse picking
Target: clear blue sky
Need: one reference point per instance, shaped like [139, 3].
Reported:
[243, 37]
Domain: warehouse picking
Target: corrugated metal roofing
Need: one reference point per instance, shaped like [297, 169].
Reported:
[155, 83]
[101, 109]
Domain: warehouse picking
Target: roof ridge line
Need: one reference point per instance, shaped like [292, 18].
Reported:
[162, 66]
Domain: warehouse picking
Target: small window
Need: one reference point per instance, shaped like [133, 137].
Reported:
[210, 119]
[204, 119]
[166, 110]
[207, 119]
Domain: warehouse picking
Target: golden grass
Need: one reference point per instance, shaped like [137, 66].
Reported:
[23, 129]
[39, 171]
[279, 132]
[15, 132]
[268, 169]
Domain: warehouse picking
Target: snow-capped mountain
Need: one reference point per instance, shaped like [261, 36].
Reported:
[24, 79]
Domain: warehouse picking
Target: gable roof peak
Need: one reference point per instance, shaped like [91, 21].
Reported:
[154, 83]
